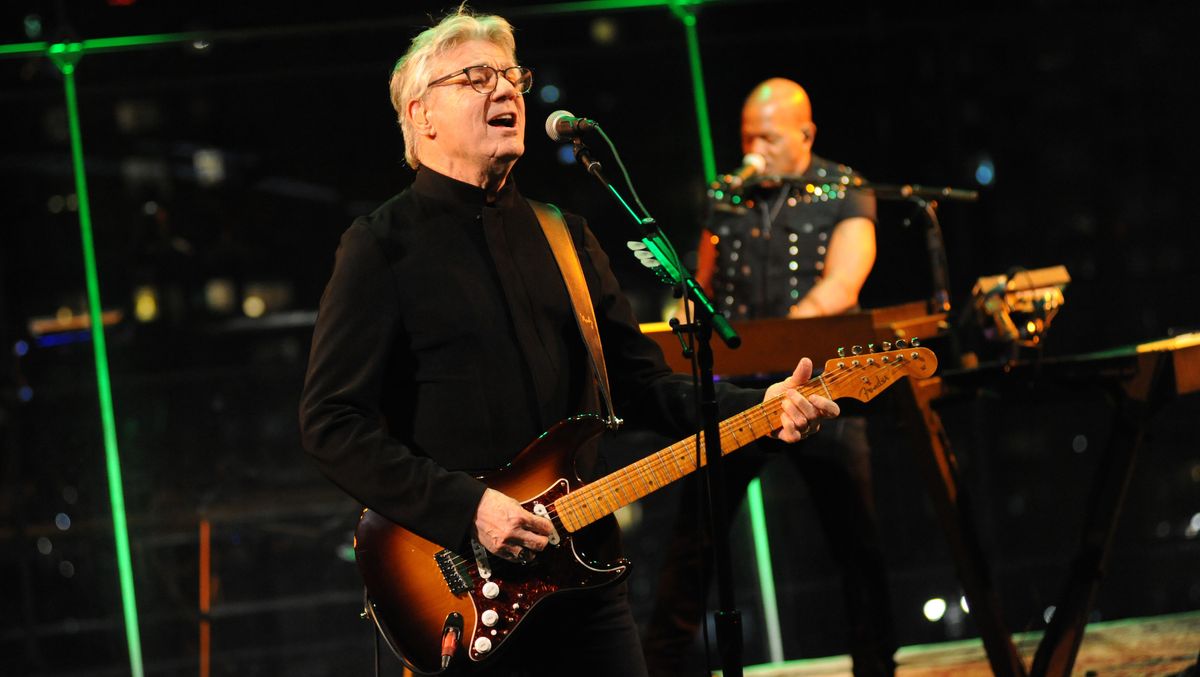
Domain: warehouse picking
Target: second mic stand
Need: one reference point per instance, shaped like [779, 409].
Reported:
[669, 269]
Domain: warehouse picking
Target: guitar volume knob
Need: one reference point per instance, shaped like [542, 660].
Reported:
[482, 645]
[491, 590]
[489, 617]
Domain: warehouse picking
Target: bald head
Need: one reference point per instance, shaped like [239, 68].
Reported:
[784, 96]
[777, 124]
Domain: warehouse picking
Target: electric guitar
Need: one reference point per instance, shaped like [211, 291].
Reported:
[434, 606]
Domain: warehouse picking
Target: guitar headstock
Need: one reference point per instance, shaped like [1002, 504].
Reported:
[863, 374]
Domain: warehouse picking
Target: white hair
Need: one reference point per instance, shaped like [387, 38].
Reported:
[411, 75]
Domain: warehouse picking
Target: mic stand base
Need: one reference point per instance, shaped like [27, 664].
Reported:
[729, 641]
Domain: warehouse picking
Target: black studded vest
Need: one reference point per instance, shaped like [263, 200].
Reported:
[772, 241]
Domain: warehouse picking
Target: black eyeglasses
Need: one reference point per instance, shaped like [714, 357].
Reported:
[483, 78]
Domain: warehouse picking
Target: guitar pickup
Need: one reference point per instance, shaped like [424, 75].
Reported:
[540, 511]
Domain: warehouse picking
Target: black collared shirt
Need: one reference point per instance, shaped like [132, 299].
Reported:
[445, 342]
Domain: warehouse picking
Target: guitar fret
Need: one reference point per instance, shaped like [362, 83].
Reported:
[630, 479]
[612, 490]
[761, 416]
[595, 506]
[585, 510]
[750, 421]
[731, 432]
[669, 462]
[565, 514]
[689, 459]
[598, 503]
[679, 472]
[647, 479]
[670, 452]
[655, 481]
[626, 485]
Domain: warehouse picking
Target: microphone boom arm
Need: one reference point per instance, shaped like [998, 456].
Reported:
[670, 268]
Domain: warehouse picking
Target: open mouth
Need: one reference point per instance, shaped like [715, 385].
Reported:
[504, 120]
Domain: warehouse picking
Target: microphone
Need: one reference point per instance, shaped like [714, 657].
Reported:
[562, 126]
[752, 164]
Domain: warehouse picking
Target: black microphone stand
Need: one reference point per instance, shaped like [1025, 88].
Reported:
[926, 199]
[702, 326]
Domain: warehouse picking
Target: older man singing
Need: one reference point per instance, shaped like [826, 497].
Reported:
[446, 341]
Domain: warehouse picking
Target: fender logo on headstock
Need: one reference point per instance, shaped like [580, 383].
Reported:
[873, 384]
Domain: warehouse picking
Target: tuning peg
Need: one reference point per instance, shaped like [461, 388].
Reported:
[857, 350]
[887, 345]
[916, 342]
[870, 347]
[841, 352]
[900, 344]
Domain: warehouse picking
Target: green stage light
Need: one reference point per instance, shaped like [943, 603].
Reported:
[66, 57]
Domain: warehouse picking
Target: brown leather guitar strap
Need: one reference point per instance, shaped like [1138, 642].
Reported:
[555, 228]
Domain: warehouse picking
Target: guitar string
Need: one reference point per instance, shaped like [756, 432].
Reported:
[649, 468]
[600, 491]
[757, 419]
[650, 472]
[655, 463]
[456, 559]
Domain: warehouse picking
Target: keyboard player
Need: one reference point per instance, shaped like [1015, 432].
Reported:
[786, 239]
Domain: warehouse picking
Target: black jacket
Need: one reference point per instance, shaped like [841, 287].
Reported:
[445, 343]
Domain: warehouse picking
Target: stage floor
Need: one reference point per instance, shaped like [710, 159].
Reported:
[1160, 645]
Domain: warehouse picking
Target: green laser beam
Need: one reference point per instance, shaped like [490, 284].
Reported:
[66, 57]
[766, 573]
[699, 93]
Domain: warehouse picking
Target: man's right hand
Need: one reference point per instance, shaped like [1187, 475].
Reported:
[506, 529]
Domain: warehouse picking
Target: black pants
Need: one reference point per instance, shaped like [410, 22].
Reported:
[588, 634]
[835, 464]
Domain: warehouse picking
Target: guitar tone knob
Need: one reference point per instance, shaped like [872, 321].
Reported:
[491, 590]
[489, 617]
[483, 645]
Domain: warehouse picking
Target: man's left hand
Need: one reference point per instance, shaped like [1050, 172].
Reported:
[801, 416]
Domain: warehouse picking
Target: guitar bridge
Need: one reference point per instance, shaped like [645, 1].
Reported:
[455, 571]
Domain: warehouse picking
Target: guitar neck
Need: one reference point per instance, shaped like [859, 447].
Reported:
[617, 490]
[861, 377]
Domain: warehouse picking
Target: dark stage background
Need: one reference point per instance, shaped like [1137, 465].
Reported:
[227, 169]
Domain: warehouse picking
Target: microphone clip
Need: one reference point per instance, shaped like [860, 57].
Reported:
[583, 155]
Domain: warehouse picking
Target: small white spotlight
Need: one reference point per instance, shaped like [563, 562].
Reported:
[1193, 526]
[934, 609]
